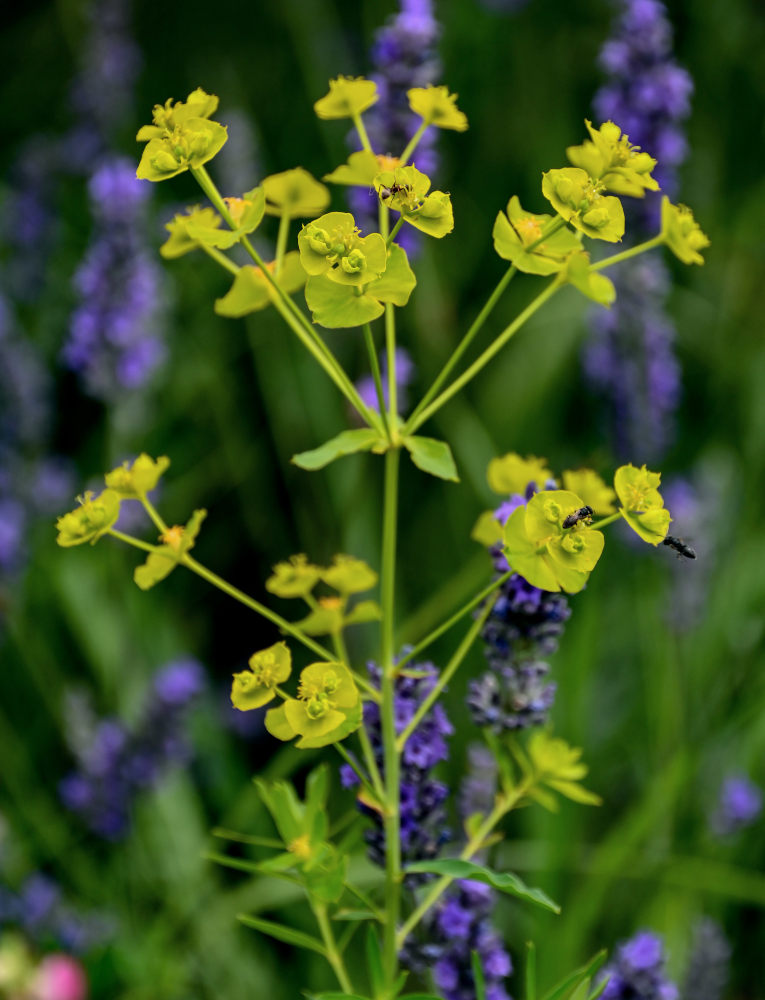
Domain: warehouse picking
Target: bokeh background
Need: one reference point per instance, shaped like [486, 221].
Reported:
[660, 669]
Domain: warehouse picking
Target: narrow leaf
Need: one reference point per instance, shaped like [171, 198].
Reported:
[504, 881]
[282, 933]
[374, 962]
[433, 457]
[573, 979]
[346, 443]
[478, 978]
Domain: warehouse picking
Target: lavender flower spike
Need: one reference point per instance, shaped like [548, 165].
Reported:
[637, 971]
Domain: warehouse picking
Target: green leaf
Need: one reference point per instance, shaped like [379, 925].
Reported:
[252, 291]
[346, 443]
[359, 171]
[364, 611]
[433, 457]
[573, 979]
[478, 977]
[595, 286]
[163, 560]
[506, 882]
[282, 933]
[355, 915]
[335, 996]
[397, 282]
[296, 193]
[337, 306]
[348, 96]
[517, 230]
[375, 962]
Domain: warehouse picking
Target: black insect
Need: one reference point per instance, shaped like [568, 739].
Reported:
[679, 546]
[388, 192]
[583, 514]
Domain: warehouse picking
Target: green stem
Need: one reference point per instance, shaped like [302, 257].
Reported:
[129, 540]
[446, 675]
[481, 362]
[261, 609]
[308, 336]
[153, 513]
[375, 365]
[475, 327]
[503, 806]
[390, 348]
[333, 955]
[617, 258]
[607, 520]
[394, 231]
[387, 714]
[445, 626]
[371, 762]
[221, 258]
[361, 129]
[413, 143]
[478, 323]
[281, 240]
[355, 767]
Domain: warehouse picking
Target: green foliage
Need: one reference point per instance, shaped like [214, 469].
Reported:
[295, 193]
[176, 543]
[251, 291]
[609, 157]
[326, 710]
[92, 519]
[280, 932]
[520, 237]
[436, 106]
[590, 283]
[552, 762]
[295, 578]
[180, 137]
[642, 506]
[433, 457]
[359, 170]
[681, 233]
[256, 687]
[578, 200]
[575, 979]
[346, 443]
[545, 553]
[505, 882]
[134, 481]
[347, 97]
[587, 484]
[405, 189]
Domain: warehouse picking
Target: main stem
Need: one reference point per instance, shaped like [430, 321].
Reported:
[387, 716]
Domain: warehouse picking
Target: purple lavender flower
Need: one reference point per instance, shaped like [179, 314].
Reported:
[646, 93]
[102, 93]
[423, 817]
[38, 907]
[739, 805]
[460, 923]
[637, 971]
[523, 626]
[631, 359]
[404, 56]
[115, 762]
[114, 341]
[405, 371]
[708, 966]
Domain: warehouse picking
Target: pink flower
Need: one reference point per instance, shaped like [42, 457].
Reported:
[60, 977]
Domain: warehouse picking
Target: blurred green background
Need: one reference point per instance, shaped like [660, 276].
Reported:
[663, 713]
